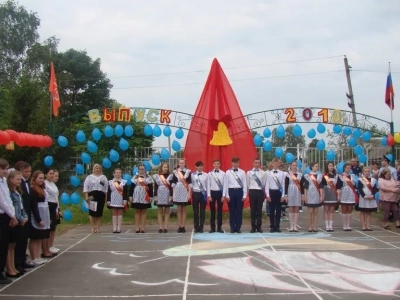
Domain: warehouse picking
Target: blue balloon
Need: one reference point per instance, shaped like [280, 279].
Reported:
[384, 141]
[147, 130]
[155, 159]
[74, 181]
[389, 157]
[267, 133]
[299, 164]
[179, 134]
[321, 145]
[157, 131]
[108, 131]
[347, 131]
[80, 136]
[167, 131]
[164, 154]
[96, 134]
[297, 131]
[48, 160]
[119, 130]
[337, 129]
[135, 171]
[257, 140]
[91, 146]
[377, 196]
[84, 207]
[339, 167]
[358, 150]
[128, 130]
[176, 146]
[307, 170]
[128, 179]
[79, 169]
[75, 198]
[330, 155]
[280, 132]
[147, 166]
[62, 141]
[357, 133]
[321, 128]
[362, 158]
[289, 157]
[279, 152]
[114, 155]
[366, 137]
[86, 159]
[67, 215]
[311, 133]
[106, 163]
[267, 146]
[65, 199]
[352, 142]
[123, 144]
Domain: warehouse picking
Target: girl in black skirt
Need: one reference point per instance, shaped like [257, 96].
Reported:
[95, 190]
[14, 182]
[40, 219]
[52, 199]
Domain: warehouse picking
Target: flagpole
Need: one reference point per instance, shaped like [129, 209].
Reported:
[392, 126]
[51, 116]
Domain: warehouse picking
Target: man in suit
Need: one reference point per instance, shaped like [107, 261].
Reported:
[21, 262]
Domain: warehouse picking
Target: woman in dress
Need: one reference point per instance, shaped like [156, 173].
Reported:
[182, 185]
[140, 196]
[95, 190]
[328, 183]
[294, 194]
[348, 196]
[367, 190]
[117, 197]
[163, 196]
[313, 196]
[14, 182]
[388, 193]
[52, 199]
[40, 220]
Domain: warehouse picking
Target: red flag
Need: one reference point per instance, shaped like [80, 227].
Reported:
[389, 95]
[53, 89]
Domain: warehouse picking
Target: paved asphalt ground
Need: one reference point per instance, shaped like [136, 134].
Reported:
[302, 266]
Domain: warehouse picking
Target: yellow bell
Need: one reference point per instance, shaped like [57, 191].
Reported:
[221, 136]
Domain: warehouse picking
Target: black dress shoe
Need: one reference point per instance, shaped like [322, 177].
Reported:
[252, 231]
[26, 265]
[277, 230]
[272, 230]
[200, 231]
[114, 231]
[238, 231]
[13, 276]
[21, 270]
[232, 231]
[221, 231]
[212, 231]
[260, 230]
[196, 231]
[4, 280]
[183, 229]
[165, 230]
[159, 230]
[179, 230]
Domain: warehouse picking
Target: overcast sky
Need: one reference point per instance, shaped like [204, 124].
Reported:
[151, 37]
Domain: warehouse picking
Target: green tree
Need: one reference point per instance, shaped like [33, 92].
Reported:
[289, 142]
[18, 32]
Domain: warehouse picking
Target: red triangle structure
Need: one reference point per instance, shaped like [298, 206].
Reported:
[217, 108]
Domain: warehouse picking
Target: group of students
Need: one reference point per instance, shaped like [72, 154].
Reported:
[29, 214]
[182, 187]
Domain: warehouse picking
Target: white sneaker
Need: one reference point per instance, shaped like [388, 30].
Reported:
[300, 210]
[38, 261]
[54, 250]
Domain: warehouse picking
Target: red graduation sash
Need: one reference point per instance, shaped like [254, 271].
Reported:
[146, 188]
[332, 186]
[296, 181]
[368, 183]
[183, 180]
[118, 188]
[314, 180]
[164, 181]
[351, 185]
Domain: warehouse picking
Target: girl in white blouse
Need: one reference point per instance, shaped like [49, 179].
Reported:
[95, 190]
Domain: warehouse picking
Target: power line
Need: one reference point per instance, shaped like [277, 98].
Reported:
[207, 70]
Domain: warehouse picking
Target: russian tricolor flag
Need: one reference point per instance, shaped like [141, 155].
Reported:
[389, 95]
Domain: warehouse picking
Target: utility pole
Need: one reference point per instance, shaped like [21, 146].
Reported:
[350, 95]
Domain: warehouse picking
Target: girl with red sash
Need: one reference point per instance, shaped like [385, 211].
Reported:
[348, 195]
[294, 194]
[328, 183]
[140, 196]
[163, 196]
[182, 184]
[117, 197]
[313, 196]
[367, 190]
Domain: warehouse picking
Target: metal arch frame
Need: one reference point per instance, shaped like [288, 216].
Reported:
[260, 119]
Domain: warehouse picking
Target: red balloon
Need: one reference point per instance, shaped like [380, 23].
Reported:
[390, 140]
[49, 141]
[12, 134]
[6, 138]
[40, 141]
[21, 140]
[2, 138]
